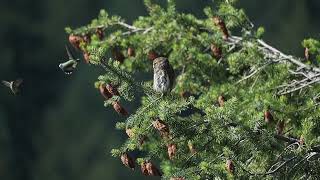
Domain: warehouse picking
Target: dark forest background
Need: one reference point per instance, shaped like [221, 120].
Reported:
[58, 128]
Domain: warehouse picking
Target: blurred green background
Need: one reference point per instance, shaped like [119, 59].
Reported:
[58, 128]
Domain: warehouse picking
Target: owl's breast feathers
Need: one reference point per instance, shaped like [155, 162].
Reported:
[161, 81]
[163, 75]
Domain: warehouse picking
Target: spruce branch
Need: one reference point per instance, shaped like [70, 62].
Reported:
[138, 86]
[135, 29]
[286, 139]
[272, 170]
[140, 112]
[254, 71]
[276, 167]
[310, 74]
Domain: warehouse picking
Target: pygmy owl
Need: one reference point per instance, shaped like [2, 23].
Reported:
[163, 75]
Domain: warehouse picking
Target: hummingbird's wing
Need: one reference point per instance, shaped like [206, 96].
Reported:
[6, 83]
[70, 55]
[74, 65]
[18, 82]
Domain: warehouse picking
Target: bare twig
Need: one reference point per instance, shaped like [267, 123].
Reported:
[286, 139]
[254, 72]
[272, 171]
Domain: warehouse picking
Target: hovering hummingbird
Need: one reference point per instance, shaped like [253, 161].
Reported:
[13, 85]
[69, 66]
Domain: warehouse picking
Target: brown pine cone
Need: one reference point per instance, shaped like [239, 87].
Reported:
[144, 170]
[161, 126]
[230, 166]
[306, 53]
[221, 101]
[128, 161]
[86, 57]
[130, 132]
[301, 140]
[104, 92]
[280, 127]
[117, 54]
[87, 38]
[172, 150]
[131, 52]
[220, 23]
[191, 148]
[119, 109]
[152, 55]
[142, 139]
[75, 41]
[216, 51]
[268, 118]
[112, 90]
[100, 33]
[152, 169]
[177, 178]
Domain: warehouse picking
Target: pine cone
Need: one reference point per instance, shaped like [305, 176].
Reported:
[301, 140]
[142, 139]
[100, 33]
[131, 52]
[177, 178]
[87, 38]
[280, 127]
[191, 148]
[306, 53]
[144, 168]
[268, 118]
[220, 23]
[221, 101]
[172, 150]
[161, 126]
[216, 51]
[104, 92]
[152, 169]
[112, 90]
[230, 166]
[119, 109]
[130, 132]
[75, 41]
[117, 54]
[152, 55]
[128, 161]
[86, 57]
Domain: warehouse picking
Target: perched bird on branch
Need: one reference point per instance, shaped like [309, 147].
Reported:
[13, 85]
[163, 75]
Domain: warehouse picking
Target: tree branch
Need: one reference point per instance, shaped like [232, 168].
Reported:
[310, 74]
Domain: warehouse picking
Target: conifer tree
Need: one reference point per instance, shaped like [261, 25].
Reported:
[238, 109]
